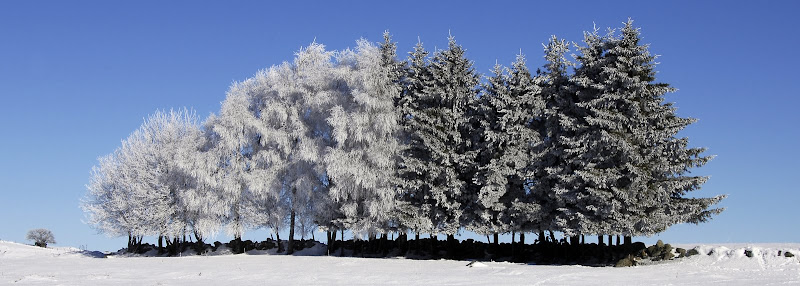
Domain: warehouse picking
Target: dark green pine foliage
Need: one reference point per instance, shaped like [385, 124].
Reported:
[416, 204]
[510, 106]
[449, 134]
[554, 180]
[586, 200]
[439, 158]
[522, 120]
[389, 59]
[634, 171]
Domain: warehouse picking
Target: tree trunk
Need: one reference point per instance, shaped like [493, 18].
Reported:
[519, 251]
[617, 239]
[574, 240]
[328, 234]
[290, 247]
[513, 245]
[610, 240]
[280, 246]
[384, 244]
[600, 239]
[451, 246]
[333, 240]
[416, 241]
[496, 237]
[542, 238]
[552, 236]
[628, 240]
[237, 245]
[198, 237]
[433, 245]
[341, 252]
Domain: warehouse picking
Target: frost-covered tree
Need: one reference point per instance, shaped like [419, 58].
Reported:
[554, 172]
[281, 115]
[511, 108]
[108, 203]
[41, 237]
[361, 163]
[416, 202]
[166, 141]
[438, 158]
[243, 178]
[633, 167]
[142, 188]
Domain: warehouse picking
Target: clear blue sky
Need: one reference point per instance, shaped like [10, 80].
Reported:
[76, 77]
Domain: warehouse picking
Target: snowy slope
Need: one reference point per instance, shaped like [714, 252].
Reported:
[727, 265]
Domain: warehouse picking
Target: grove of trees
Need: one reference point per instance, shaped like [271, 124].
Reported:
[359, 140]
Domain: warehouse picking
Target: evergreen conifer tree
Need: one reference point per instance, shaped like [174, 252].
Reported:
[510, 106]
[552, 173]
[448, 133]
[634, 171]
[416, 203]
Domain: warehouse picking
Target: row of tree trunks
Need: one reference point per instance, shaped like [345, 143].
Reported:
[134, 242]
[382, 242]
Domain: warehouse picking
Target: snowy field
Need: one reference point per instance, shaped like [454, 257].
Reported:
[726, 265]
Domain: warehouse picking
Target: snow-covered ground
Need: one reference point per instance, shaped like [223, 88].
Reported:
[726, 265]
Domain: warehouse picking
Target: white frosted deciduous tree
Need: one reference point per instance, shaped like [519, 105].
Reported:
[142, 188]
[108, 203]
[275, 125]
[361, 163]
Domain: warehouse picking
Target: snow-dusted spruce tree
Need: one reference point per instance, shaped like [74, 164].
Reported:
[444, 156]
[634, 168]
[416, 203]
[361, 163]
[510, 106]
[41, 237]
[523, 136]
[552, 173]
